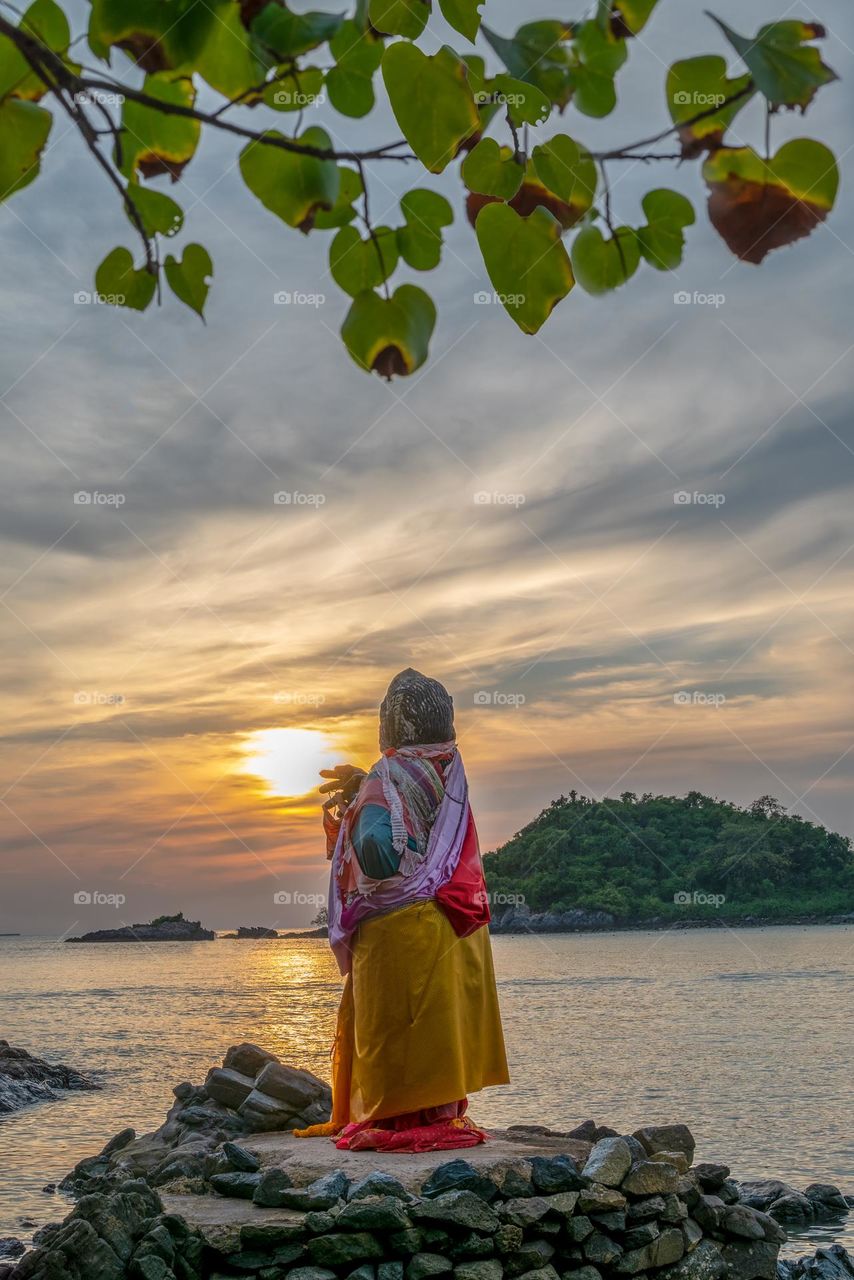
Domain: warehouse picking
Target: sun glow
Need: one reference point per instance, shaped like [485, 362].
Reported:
[289, 760]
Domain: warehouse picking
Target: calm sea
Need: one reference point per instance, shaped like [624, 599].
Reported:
[743, 1034]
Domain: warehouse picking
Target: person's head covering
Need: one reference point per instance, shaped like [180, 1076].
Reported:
[415, 710]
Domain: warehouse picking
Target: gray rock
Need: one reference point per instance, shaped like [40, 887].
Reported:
[522, 1211]
[675, 1210]
[262, 1113]
[668, 1247]
[424, 1265]
[793, 1208]
[741, 1220]
[666, 1137]
[608, 1162]
[556, 1173]
[508, 1238]
[542, 1273]
[459, 1175]
[703, 1263]
[240, 1186]
[340, 1249]
[247, 1058]
[365, 1272]
[601, 1249]
[562, 1205]
[487, 1269]
[311, 1273]
[25, 1079]
[119, 1141]
[297, 1088]
[374, 1213]
[761, 1193]
[827, 1195]
[710, 1212]
[650, 1178]
[729, 1191]
[578, 1228]
[272, 1186]
[461, 1208]
[750, 1259]
[582, 1273]
[645, 1210]
[11, 1247]
[229, 1087]
[390, 1271]
[269, 1235]
[378, 1184]
[529, 1257]
[831, 1263]
[321, 1194]
[711, 1176]
[599, 1199]
[637, 1237]
[471, 1246]
[239, 1158]
[692, 1233]
[612, 1222]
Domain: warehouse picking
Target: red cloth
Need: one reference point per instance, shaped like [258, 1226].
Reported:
[445, 1128]
[464, 899]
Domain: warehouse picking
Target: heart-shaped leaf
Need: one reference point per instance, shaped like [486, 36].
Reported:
[154, 142]
[431, 100]
[601, 265]
[343, 211]
[538, 54]
[786, 68]
[294, 89]
[230, 60]
[406, 18]
[662, 240]
[492, 170]
[350, 83]
[357, 264]
[568, 170]
[523, 102]
[189, 278]
[285, 35]
[463, 16]
[294, 187]
[390, 336]
[24, 129]
[420, 240]
[159, 213]
[159, 37]
[526, 262]
[597, 57]
[46, 21]
[118, 281]
[757, 206]
[695, 87]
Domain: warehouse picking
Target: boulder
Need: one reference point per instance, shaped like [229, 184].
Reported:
[826, 1196]
[459, 1209]
[666, 1137]
[601, 1249]
[711, 1176]
[741, 1220]
[239, 1158]
[378, 1184]
[487, 1269]
[792, 1208]
[238, 1186]
[608, 1162]
[706, 1262]
[340, 1249]
[374, 1213]
[830, 1263]
[321, 1194]
[749, 1259]
[247, 1058]
[271, 1187]
[556, 1173]
[299, 1089]
[228, 1086]
[424, 1265]
[25, 1079]
[761, 1193]
[649, 1178]
[599, 1199]
[459, 1175]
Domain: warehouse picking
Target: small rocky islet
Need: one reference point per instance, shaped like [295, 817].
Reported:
[25, 1080]
[223, 1189]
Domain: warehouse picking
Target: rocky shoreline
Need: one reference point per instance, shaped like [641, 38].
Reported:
[25, 1079]
[521, 919]
[223, 1189]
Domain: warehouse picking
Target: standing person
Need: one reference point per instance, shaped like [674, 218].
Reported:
[418, 1025]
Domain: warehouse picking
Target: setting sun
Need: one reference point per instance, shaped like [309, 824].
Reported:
[289, 760]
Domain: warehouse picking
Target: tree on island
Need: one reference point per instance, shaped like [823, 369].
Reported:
[658, 855]
[256, 65]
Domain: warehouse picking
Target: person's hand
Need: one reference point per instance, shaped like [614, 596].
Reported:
[346, 779]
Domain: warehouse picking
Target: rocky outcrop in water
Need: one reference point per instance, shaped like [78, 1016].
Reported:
[25, 1079]
[252, 931]
[831, 1263]
[521, 919]
[164, 929]
[251, 1092]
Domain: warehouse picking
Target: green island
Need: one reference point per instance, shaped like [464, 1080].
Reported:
[653, 858]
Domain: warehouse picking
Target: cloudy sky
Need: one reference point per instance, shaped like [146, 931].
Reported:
[595, 632]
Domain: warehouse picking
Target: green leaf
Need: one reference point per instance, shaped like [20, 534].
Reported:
[526, 262]
[525, 103]
[601, 265]
[492, 170]
[294, 187]
[350, 83]
[160, 214]
[287, 35]
[420, 240]
[390, 336]
[463, 16]
[342, 211]
[431, 100]
[633, 15]
[154, 142]
[230, 60]
[597, 57]
[189, 278]
[117, 281]
[787, 70]
[694, 87]
[45, 20]
[567, 169]
[662, 240]
[158, 36]
[24, 130]
[757, 206]
[406, 18]
[537, 54]
[358, 264]
[295, 90]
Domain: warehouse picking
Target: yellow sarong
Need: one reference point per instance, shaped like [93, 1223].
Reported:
[418, 1024]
